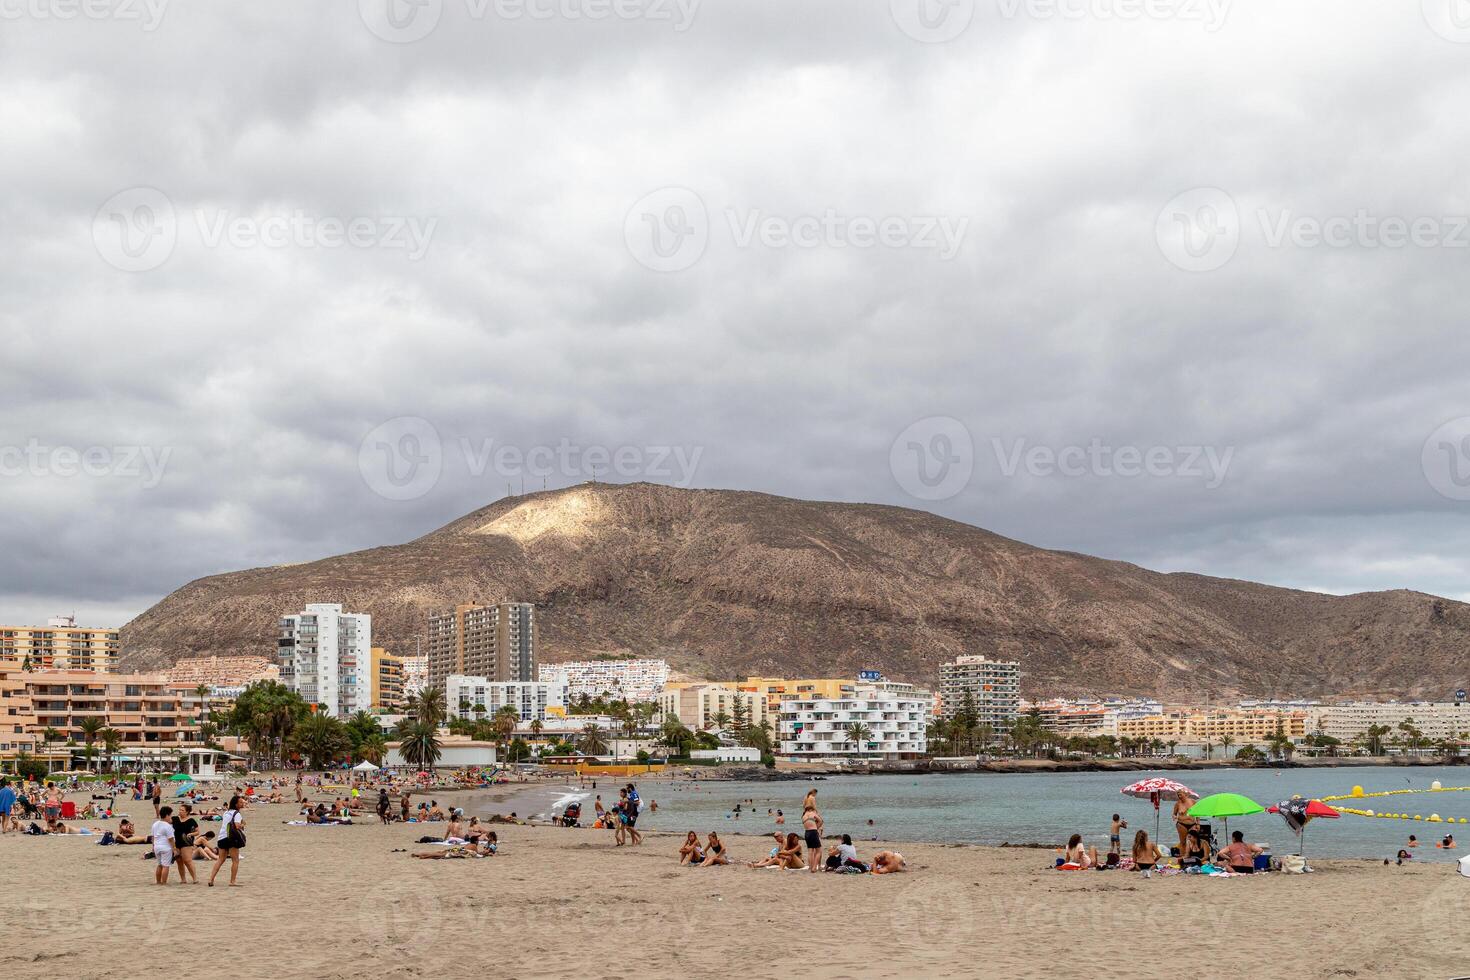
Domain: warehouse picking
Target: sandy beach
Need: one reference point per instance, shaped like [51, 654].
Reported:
[341, 902]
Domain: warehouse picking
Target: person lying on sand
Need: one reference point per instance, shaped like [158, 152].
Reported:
[691, 853]
[888, 862]
[488, 848]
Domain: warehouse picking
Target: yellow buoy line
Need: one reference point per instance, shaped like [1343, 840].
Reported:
[1435, 787]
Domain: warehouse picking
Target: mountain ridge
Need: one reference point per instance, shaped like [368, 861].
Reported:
[733, 582]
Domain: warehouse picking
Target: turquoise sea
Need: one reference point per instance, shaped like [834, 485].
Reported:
[987, 808]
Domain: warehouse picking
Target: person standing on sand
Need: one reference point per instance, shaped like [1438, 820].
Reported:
[811, 822]
[403, 805]
[7, 805]
[231, 839]
[385, 808]
[162, 835]
[1182, 820]
[185, 827]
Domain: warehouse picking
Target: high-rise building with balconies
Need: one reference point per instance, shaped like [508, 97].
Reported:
[324, 655]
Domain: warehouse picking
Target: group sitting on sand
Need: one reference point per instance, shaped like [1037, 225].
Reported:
[788, 853]
[1146, 856]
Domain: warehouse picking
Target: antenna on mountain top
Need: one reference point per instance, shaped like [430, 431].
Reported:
[508, 491]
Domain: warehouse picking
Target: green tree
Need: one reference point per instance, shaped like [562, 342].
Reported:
[504, 724]
[428, 706]
[321, 738]
[265, 714]
[592, 740]
[418, 743]
[518, 751]
[373, 749]
[90, 727]
[111, 743]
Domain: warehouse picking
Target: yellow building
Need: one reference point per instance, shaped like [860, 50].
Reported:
[61, 645]
[16, 717]
[1244, 727]
[773, 690]
[387, 678]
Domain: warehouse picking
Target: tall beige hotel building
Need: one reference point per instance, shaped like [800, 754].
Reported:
[497, 642]
[60, 645]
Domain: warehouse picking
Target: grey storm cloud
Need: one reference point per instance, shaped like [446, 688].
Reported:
[1178, 282]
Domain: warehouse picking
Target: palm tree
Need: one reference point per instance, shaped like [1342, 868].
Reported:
[858, 734]
[49, 735]
[321, 738]
[1209, 750]
[591, 741]
[1225, 742]
[90, 727]
[721, 720]
[505, 721]
[373, 748]
[418, 743]
[111, 742]
[202, 693]
[428, 706]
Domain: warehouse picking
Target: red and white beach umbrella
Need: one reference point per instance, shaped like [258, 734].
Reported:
[1158, 788]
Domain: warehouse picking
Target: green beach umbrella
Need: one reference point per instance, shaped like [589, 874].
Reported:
[1223, 806]
[179, 777]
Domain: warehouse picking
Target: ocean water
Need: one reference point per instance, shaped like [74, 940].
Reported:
[989, 808]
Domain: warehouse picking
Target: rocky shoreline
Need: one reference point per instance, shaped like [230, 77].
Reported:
[760, 774]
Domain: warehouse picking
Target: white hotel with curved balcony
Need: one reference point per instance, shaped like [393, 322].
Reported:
[818, 728]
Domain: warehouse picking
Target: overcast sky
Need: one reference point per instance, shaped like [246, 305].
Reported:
[1180, 282]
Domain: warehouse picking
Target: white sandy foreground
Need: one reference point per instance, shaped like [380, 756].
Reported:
[337, 902]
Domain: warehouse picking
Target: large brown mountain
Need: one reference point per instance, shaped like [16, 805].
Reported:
[727, 583]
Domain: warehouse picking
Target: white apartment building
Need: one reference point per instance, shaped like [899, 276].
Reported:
[819, 728]
[1436, 719]
[993, 685]
[630, 680]
[531, 699]
[698, 705]
[324, 655]
[415, 674]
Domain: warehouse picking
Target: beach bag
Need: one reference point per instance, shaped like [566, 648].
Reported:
[1293, 864]
[106, 839]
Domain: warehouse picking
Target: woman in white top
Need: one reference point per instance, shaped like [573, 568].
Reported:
[231, 839]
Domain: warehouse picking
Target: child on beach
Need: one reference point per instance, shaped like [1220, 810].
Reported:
[1115, 836]
[162, 834]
